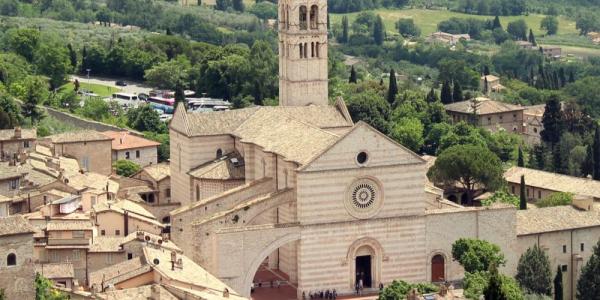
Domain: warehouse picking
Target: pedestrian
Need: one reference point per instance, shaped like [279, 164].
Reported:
[303, 296]
[356, 287]
[360, 286]
[334, 294]
[381, 286]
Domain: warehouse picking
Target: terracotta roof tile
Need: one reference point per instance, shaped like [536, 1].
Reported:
[56, 270]
[158, 172]
[557, 218]
[9, 134]
[486, 106]
[221, 169]
[15, 225]
[78, 136]
[123, 140]
[554, 182]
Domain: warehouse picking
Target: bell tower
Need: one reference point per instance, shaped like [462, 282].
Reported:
[303, 78]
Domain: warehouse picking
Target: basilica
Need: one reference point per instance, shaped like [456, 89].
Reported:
[303, 189]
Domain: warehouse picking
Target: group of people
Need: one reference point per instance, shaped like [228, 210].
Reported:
[327, 294]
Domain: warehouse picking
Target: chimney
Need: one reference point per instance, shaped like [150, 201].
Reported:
[583, 202]
[18, 134]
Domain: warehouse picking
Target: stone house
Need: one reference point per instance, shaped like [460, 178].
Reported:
[448, 38]
[61, 274]
[10, 179]
[525, 45]
[16, 253]
[489, 114]
[159, 177]
[551, 52]
[533, 123]
[124, 217]
[15, 141]
[541, 184]
[127, 146]
[92, 149]
[493, 84]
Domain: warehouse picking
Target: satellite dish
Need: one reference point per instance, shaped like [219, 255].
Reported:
[156, 261]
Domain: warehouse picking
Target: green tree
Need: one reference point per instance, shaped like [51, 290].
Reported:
[496, 23]
[144, 118]
[169, 74]
[533, 272]
[517, 29]
[471, 166]
[588, 286]
[263, 71]
[371, 108]
[550, 24]
[552, 121]
[558, 284]
[596, 154]
[398, 289]
[33, 92]
[53, 61]
[477, 255]
[520, 158]
[345, 30]
[409, 133]
[493, 291]
[556, 199]
[501, 196]
[72, 56]
[393, 88]
[126, 168]
[95, 109]
[238, 5]
[352, 75]
[379, 31]
[587, 22]
[10, 112]
[531, 38]
[23, 41]
[522, 195]
[446, 93]
[457, 94]
[407, 28]
[44, 290]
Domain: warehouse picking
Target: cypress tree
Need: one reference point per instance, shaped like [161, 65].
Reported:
[381, 82]
[84, 62]
[587, 169]
[562, 77]
[496, 23]
[179, 95]
[552, 120]
[588, 286]
[521, 159]
[72, 56]
[533, 272]
[486, 70]
[486, 86]
[238, 5]
[379, 31]
[446, 93]
[494, 289]
[345, 30]
[539, 157]
[571, 77]
[431, 96]
[558, 284]
[457, 94]
[596, 154]
[532, 38]
[523, 198]
[352, 75]
[393, 88]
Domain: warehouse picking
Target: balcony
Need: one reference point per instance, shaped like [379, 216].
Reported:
[68, 242]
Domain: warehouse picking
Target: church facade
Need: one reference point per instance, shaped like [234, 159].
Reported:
[303, 189]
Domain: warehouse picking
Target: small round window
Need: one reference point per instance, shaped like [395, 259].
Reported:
[362, 158]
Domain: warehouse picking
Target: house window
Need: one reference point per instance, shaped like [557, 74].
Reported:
[54, 257]
[564, 248]
[219, 153]
[197, 193]
[26, 144]
[14, 184]
[514, 117]
[117, 232]
[168, 193]
[564, 268]
[513, 189]
[137, 153]
[109, 258]
[129, 256]
[127, 155]
[528, 193]
[102, 232]
[535, 130]
[582, 247]
[78, 234]
[489, 120]
[76, 255]
[11, 260]
[539, 194]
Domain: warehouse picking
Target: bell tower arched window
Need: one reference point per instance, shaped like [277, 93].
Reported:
[301, 50]
[312, 49]
[317, 48]
[302, 18]
[314, 17]
[305, 50]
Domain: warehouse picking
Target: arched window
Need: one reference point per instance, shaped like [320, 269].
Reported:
[314, 17]
[197, 192]
[11, 260]
[305, 50]
[302, 18]
[166, 220]
[219, 153]
[287, 17]
[312, 49]
[301, 50]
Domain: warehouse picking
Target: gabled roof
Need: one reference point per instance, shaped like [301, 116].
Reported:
[124, 140]
[559, 218]
[134, 210]
[221, 169]
[486, 106]
[78, 136]
[554, 182]
[226, 122]
[56, 270]
[9, 134]
[106, 244]
[158, 172]
[15, 225]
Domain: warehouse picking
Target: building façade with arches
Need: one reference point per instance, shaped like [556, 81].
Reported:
[303, 189]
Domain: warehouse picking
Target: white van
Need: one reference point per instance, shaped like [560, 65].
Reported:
[125, 99]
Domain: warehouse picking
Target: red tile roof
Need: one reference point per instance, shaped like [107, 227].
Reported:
[123, 140]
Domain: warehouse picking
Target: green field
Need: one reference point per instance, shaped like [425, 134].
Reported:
[101, 90]
[427, 20]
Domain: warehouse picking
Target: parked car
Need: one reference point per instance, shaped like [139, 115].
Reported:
[121, 83]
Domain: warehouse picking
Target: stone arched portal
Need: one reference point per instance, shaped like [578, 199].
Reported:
[251, 244]
[357, 256]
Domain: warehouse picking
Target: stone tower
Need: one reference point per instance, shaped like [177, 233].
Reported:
[303, 78]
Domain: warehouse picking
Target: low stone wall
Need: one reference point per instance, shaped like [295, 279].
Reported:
[82, 123]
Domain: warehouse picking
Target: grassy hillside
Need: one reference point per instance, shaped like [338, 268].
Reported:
[427, 20]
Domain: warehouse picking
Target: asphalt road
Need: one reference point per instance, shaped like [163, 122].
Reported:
[132, 87]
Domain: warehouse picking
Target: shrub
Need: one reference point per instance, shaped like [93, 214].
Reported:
[399, 290]
[556, 199]
[126, 167]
